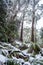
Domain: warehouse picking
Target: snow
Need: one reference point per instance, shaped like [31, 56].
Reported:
[31, 59]
[14, 58]
[18, 42]
[15, 49]
[5, 51]
[28, 44]
[2, 58]
[25, 51]
[39, 23]
[40, 2]
[27, 63]
[38, 56]
[20, 60]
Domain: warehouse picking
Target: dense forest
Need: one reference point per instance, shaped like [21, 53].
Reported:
[21, 39]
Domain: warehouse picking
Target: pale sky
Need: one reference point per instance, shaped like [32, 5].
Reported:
[40, 22]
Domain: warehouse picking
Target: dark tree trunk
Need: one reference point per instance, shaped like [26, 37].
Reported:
[33, 22]
[32, 33]
[21, 34]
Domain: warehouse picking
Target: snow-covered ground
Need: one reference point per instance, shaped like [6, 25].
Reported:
[9, 49]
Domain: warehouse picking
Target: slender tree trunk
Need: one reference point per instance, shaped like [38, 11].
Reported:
[21, 34]
[33, 22]
[36, 48]
[32, 33]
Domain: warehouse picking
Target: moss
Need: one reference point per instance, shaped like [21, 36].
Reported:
[36, 48]
[12, 62]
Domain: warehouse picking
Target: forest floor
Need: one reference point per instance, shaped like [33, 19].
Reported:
[18, 52]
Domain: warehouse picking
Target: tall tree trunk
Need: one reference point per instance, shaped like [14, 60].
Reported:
[36, 48]
[33, 22]
[32, 33]
[21, 34]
